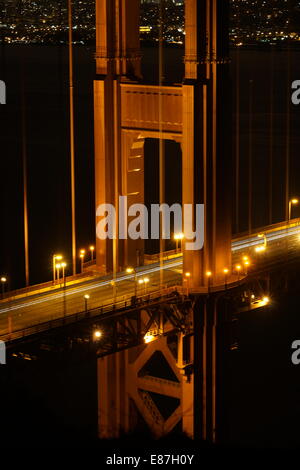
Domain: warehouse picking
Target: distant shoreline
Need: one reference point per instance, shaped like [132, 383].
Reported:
[153, 44]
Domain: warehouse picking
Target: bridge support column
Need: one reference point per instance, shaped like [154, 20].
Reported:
[117, 60]
[201, 388]
[113, 405]
[107, 164]
[206, 136]
[136, 386]
[128, 391]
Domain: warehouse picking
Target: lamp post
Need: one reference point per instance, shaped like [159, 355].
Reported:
[245, 259]
[92, 249]
[260, 248]
[3, 284]
[225, 271]
[54, 259]
[114, 286]
[146, 282]
[263, 235]
[187, 277]
[208, 275]
[63, 266]
[246, 263]
[97, 334]
[58, 266]
[178, 237]
[263, 247]
[130, 271]
[238, 270]
[292, 202]
[81, 256]
[86, 298]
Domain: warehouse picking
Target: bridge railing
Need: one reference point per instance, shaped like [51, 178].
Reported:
[118, 305]
[268, 229]
[155, 258]
[40, 288]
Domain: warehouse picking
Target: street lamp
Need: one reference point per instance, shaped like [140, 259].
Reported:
[114, 286]
[63, 266]
[54, 259]
[178, 237]
[187, 276]
[208, 275]
[130, 271]
[81, 256]
[146, 282]
[86, 298]
[266, 300]
[247, 264]
[260, 248]
[238, 269]
[97, 334]
[148, 338]
[263, 247]
[58, 266]
[292, 202]
[263, 235]
[92, 249]
[3, 283]
[225, 271]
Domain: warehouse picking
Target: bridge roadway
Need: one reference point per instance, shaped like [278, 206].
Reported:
[282, 240]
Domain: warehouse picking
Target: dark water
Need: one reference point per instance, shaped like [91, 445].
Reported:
[261, 393]
[264, 93]
[45, 75]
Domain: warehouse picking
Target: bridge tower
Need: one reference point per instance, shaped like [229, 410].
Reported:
[195, 114]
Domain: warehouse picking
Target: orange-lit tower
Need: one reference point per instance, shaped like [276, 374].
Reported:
[194, 114]
[206, 133]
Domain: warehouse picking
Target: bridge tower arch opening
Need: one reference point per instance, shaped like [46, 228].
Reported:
[172, 180]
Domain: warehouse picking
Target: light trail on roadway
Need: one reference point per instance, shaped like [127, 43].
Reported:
[69, 300]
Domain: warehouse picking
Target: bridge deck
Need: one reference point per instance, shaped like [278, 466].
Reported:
[26, 310]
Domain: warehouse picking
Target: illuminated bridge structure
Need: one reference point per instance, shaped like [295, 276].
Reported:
[164, 339]
[195, 114]
[161, 325]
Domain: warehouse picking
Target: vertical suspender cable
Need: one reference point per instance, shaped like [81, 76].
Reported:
[271, 143]
[161, 141]
[237, 142]
[250, 152]
[72, 146]
[24, 160]
[288, 131]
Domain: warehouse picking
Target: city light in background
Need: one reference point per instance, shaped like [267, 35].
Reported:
[45, 21]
